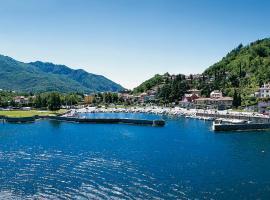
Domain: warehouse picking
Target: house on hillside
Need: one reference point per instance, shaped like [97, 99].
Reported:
[190, 98]
[216, 100]
[264, 91]
[152, 92]
[149, 98]
[264, 107]
[216, 94]
[195, 91]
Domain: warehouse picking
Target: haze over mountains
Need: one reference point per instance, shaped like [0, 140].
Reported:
[43, 77]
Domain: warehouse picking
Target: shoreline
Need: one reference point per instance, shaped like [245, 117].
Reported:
[209, 115]
[176, 112]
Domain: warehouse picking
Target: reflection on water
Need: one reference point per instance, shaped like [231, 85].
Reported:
[55, 123]
[183, 160]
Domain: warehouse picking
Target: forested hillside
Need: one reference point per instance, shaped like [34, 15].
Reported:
[244, 70]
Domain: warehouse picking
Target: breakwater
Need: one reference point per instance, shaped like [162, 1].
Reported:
[241, 127]
[109, 121]
[19, 119]
[86, 120]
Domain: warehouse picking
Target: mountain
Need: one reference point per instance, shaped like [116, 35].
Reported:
[244, 69]
[42, 77]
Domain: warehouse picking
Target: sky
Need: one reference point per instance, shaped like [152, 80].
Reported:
[129, 41]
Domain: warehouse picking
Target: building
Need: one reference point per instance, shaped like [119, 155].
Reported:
[216, 94]
[216, 100]
[152, 91]
[21, 100]
[195, 91]
[190, 98]
[142, 97]
[264, 91]
[263, 107]
[125, 96]
[219, 103]
[88, 99]
[149, 98]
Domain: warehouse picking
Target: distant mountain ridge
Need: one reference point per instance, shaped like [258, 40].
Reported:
[43, 77]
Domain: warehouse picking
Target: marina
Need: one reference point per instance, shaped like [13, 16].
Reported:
[231, 121]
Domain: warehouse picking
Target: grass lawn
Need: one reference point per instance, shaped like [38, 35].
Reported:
[29, 113]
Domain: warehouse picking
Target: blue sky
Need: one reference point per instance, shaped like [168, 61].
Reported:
[129, 41]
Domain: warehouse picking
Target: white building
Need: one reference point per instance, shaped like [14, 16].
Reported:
[216, 94]
[264, 91]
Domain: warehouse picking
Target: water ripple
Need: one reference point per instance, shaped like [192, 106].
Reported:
[56, 175]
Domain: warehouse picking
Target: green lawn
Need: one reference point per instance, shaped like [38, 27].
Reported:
[30, 113]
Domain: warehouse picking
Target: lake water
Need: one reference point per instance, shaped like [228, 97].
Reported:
[183, 160]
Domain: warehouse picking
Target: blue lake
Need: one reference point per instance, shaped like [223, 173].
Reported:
[183, 160]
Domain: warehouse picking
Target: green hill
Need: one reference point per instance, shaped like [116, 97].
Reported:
[150, 83]
[43, 77]
[244, 69]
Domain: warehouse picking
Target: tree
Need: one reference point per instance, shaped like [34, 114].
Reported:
[38, 101]
[235, 99]
[54, 101]
[71, 99]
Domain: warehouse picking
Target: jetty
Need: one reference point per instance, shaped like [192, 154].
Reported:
[157, 123]
[20, 119]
